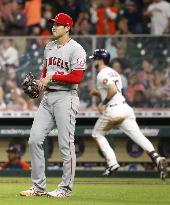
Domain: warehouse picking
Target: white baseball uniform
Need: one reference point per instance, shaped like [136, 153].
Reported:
[118, 111]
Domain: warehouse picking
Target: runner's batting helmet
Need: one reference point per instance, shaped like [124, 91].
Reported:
[101, 54]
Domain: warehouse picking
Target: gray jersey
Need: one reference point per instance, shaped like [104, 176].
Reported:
[62, 59]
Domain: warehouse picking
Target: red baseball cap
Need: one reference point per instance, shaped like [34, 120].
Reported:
[63, 19]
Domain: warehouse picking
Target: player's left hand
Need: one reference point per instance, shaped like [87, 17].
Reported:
[30, 86]
[101, 107]
[44, 81]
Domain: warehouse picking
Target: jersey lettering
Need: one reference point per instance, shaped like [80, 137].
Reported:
[117, 83]
[54, 61]
[63, 60]
[113, 74]
[62, 66]
[66, 66]
[57, 62]
[49, 61]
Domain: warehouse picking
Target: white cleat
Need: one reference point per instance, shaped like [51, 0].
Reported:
[32, 192]
[162, 167]
[61, 192]
[108, 171]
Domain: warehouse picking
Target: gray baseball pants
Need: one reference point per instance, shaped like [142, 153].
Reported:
[57, 109]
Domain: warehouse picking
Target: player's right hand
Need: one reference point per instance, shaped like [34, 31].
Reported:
[39, 82]
[44, 81]
[101, 108]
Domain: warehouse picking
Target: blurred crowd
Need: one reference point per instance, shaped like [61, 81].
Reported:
[143, 62]
[146, 82]
[30, 17]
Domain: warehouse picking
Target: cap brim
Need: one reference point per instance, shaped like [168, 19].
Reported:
[52, 20]
[55, 21]
[14, 151]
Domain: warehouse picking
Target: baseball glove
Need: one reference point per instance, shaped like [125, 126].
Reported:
[30, 86]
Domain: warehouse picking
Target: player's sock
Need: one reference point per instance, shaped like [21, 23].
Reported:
[154, 156]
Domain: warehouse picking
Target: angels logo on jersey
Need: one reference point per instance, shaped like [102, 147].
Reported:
[57, 62]
[81, 62]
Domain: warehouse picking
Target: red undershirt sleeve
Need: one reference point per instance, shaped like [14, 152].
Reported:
[75, 77]
[44, 71]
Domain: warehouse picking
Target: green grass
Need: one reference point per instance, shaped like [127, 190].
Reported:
[91, 191]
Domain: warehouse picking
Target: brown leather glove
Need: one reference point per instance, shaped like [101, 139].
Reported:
[30, 86]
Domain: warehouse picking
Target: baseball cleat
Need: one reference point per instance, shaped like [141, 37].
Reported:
[162, 167]
[61, 192]
[108, 171]
[32, 192]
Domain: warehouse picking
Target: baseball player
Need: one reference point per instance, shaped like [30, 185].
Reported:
[64, 65]
[116, 112]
